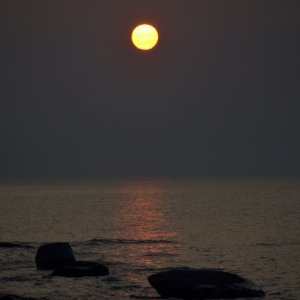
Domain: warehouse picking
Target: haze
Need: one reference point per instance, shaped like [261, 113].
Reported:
[219, 96]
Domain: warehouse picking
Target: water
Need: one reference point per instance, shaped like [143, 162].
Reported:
[140, 226]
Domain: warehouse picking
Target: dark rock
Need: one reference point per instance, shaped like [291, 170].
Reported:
[53, 256]
[10, 245]
[203, 284]
[14, 297]
[82, 269]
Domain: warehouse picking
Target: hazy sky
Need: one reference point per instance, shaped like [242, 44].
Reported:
[219, 95]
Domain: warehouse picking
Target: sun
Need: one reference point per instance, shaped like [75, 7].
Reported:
[145, 37]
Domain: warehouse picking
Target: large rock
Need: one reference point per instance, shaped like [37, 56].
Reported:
[203, 284]
[53, 256]
[82, 269]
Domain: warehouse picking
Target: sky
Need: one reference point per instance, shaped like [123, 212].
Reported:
[218, 96]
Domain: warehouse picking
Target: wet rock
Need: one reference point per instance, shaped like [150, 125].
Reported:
[10, 245]
[14, 297]
[203, 284]
[53, 256]
[82, 269]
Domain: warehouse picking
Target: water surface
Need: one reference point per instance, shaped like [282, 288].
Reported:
[140, 226]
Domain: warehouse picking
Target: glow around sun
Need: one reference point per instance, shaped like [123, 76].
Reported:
[144, 37]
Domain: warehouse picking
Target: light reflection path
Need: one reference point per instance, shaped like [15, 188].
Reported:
[142, 218]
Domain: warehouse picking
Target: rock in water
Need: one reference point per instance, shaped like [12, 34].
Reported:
[10, 245]
[53, 256]
[82, 269]
[14, 297]
[203, 284]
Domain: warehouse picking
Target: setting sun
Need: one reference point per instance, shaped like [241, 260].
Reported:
[144, 37]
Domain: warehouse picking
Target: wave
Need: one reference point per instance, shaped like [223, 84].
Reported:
[128, 241]
[278, 244]
[89, 242]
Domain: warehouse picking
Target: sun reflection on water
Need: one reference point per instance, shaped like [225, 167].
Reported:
[143, 219]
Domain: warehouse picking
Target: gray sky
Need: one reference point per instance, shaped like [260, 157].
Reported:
[219, 96]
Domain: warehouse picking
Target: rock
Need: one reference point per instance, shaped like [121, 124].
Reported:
[59, 257]
[14, 297]
[82, 269]
[203, 284]
[53, 256]
[10, 245]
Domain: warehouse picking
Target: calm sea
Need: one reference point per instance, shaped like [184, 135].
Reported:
[140, 226]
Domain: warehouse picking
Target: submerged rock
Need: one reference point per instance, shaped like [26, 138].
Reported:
[82, 269]
[53, 256]
[14, 297]
[203, 284]
[11, 245]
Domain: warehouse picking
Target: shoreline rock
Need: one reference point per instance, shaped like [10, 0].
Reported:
[203, 284]
[60, 258]
[54, 255]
